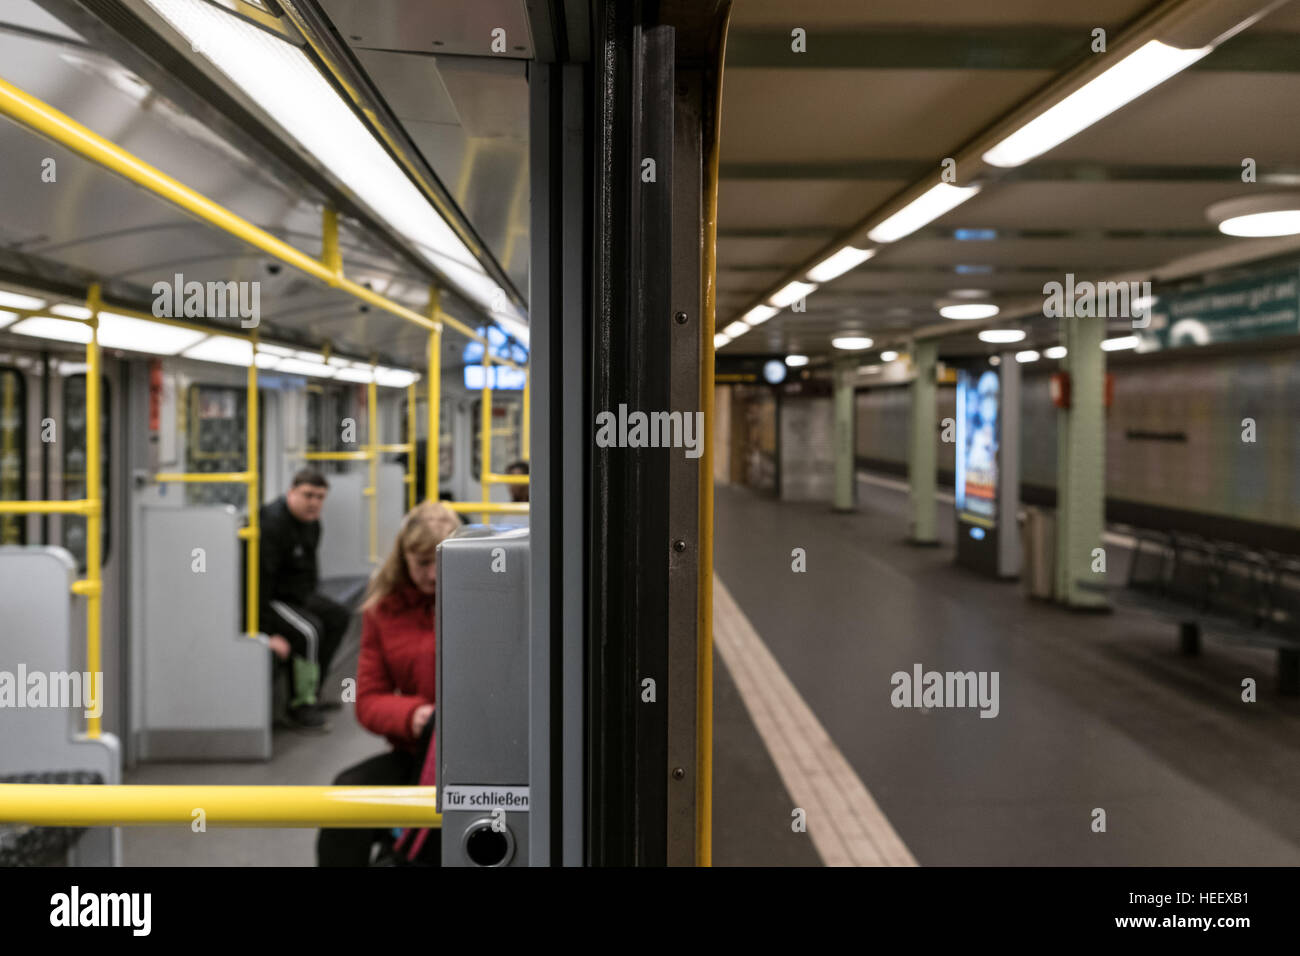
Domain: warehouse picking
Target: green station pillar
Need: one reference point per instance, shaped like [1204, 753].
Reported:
[844, 371]
[1081, 467]
[921, 461]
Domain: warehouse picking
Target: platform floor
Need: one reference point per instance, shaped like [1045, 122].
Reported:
[1096, 711]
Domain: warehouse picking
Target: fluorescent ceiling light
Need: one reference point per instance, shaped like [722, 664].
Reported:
[758, 315]
[71, 311]
[287, 86]
[137, 335]
[1056, 352]
[274, 349]
[1145, 68]
[792, 293]
[352, 375]
[266, 361]
[841, 262]
[922, 211]
[721, 339]
[736, 329]
[973, 310]
[395, 377]
[1029, 355]
[14, 300]
[889, 355]
[317, 357]
[6, 318]
[1124, 342]
[1282, 222]
[851, 342]
[293, 366]
[61, 330]
[338, 362]
[970, 293]
[795, 361]
[1002, 336]
[225, 349]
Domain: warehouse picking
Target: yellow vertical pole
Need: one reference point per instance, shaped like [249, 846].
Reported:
[485, 430]
[528, 376]
[252, 540]
[372, 403]
[410, 442]
[433, 411]
[94, 516]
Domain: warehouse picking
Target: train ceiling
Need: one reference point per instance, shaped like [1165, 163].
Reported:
[117, 68]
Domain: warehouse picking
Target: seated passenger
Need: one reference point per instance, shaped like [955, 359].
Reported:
[395, 677]
[305, 628]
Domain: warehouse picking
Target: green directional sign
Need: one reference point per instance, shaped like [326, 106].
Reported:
[1257, 307]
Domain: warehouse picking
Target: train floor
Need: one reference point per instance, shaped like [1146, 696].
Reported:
[1097, 712]
[751, 807]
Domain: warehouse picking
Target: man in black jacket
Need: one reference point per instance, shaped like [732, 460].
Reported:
[305, 628]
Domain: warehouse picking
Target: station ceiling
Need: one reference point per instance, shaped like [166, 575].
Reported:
[815, 143]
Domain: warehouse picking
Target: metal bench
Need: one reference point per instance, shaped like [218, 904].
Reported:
[1221, 588]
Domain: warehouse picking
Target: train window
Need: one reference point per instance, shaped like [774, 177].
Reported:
[13, 452]
[506, 425]
[325, 414]
[74, 465]
[446, 444]
[216, 441]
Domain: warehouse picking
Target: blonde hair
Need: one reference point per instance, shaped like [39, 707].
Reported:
[424, 528]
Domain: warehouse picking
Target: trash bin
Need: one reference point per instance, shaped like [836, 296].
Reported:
[1038, 540]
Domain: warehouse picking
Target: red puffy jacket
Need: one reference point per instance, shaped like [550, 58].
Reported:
[395, 672]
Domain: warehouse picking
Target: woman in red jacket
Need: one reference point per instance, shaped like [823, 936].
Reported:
[395, 673]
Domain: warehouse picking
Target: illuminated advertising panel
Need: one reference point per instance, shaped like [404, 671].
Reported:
[978, 432]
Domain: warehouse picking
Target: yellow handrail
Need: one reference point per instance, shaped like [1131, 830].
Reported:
[82, 507]
[337, 456]
[72, 805]
[252, 540]
[205, 477]
[506, 479]
[433, 438]
[489, 507]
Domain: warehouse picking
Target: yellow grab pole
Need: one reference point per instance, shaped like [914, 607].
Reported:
[253, 537]
[372, 403]
[485, 431]
[72, 805]
[528, 375]
[410, 441]
[203, 477]
[704, 597]
[433, 402]
[93, 589]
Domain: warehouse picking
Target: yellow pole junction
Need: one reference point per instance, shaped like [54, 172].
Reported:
[122, 805]
[526, 425]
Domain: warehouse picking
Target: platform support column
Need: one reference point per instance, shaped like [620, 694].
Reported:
[921, 457]
[843, 435]
[1081, 466]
